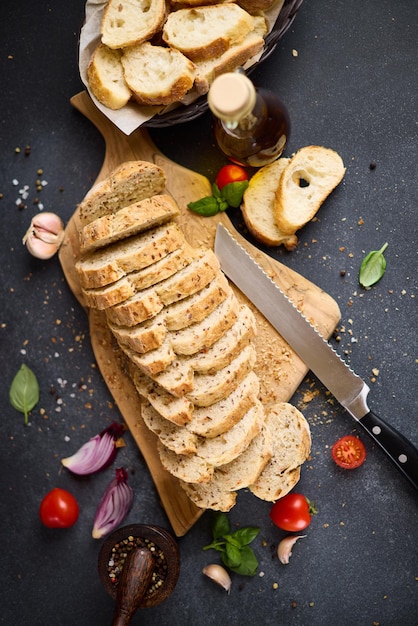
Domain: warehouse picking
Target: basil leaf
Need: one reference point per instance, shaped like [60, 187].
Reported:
[245, 535]
[232, 556]
[372, 267]
[207, 206]
[232, 193]
[248, 565]
[220, 526]
[24, 391]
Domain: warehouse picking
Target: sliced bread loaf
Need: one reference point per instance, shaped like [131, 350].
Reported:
[196, 307]
[127, 22]
[107, 265]
[206, 31]
[211, 388]
[130, 182]
[221, 416]
[128, 221]
[106, 79]
[157, 75]
[291, 447]
[129, 285]
[201, 335]
[306, 182]
[176, 438]
[258, 206]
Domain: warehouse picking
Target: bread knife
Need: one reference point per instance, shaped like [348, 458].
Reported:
[314, 350]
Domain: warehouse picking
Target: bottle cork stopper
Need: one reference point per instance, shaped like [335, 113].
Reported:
[231, 96]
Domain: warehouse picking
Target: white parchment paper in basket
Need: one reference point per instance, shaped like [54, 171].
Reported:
[132, 116]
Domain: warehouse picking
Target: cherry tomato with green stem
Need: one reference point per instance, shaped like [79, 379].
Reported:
[59, 509]
[230, 174]
[293, 512]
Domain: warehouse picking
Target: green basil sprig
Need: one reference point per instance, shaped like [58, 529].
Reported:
[372, 267]
[236, 553]
[24, 391]
[229, 196]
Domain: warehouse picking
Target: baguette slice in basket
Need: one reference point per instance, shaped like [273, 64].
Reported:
[306, 182]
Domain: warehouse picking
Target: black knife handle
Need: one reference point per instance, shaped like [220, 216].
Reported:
[399, 449]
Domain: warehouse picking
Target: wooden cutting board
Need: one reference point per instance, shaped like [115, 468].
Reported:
[280, 370]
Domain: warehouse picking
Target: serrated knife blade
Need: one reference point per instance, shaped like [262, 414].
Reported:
[346, 386]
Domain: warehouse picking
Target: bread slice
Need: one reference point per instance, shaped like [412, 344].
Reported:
[176, 438]
[144, 337]
[258, 206]
[235, 56]
[307, 181]
[128, 221]
[206, 31]
[247, 467]
[188, 467]
[196, 307]
[227, 348]
[131, 182]
[209, 496]
[177, 378]
[221, 416]
[106, 79]
[176, 410]
[154, 361]
[140, 307]
[202, 269]
[202, 335]
[129, 285]
[157, 75]
[211, 388]
[291, 447]
[128, 22]
[107, 265]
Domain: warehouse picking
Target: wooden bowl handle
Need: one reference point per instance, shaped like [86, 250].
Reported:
[133, 585]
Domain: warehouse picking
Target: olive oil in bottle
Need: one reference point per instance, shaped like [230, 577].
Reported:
[251, 126]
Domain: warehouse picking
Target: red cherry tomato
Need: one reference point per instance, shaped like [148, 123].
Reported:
[293, 512]
[348, 452]
[230, 174]
[59, 509]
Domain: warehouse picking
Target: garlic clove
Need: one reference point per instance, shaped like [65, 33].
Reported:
[284, 550]
[219, 575]
[44, 235]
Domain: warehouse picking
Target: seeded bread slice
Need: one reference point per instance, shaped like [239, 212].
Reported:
[154, 361]
[177, 378]
[197, 274]
[128, 221]
[210, 388]
[131, 182]
[228, 446]
[221, 416]
[209, 496]
[140, 307]
[176, 438]
[129, 285]
[107, 265]
[198, 306]
[144, 337]
[203, 334]
[227, 348]
[291, 447]
[187, 467]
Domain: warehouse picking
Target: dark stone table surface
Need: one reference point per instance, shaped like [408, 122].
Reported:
[347, 71]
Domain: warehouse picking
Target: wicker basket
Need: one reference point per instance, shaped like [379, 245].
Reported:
[200, 106]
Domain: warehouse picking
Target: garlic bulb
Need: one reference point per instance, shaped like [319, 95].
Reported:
[219, 575]
[284, 550]
[44, 235]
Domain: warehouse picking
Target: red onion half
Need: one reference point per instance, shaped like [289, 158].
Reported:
[114, 505]
[97, 453]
